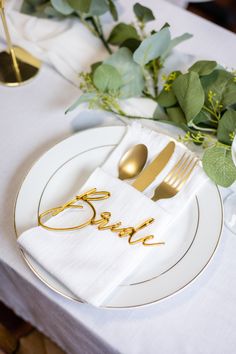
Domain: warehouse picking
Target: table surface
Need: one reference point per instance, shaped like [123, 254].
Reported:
[200, 319]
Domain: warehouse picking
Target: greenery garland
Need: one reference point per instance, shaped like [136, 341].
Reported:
[201, 101]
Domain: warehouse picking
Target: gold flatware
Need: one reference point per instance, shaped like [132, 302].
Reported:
[148, 175]
[176, 178]
[133, 161]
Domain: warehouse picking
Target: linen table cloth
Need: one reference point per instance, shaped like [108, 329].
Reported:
[201, 318]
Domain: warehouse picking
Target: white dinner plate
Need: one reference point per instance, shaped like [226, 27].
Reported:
[58, 174]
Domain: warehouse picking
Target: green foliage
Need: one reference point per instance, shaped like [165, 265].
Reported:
[81, 8]
[130, 72]
[91, 7]
[131, 43]
[205, 98]
[203, 67]
[167, 98]
[202, 101]
[121, 33]
[229, 94]
[98, 7]
[176, 115]
[226, 126]
[143, 14]
[80, 5]
[39, 8]
[113, 10]
[85, 98]
[106, 78]
[94, 66]
[203, 117]
[62, 6]
[218, 164]
[174, 42]
[216, 82]
[152, 47]
[190, 95]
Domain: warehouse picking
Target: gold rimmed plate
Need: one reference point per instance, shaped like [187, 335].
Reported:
[193, 238]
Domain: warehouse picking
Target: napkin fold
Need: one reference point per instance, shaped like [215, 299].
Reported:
[92, 263]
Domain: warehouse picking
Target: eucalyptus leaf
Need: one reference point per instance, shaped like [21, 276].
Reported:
[36, 2]
[166, 24]
[107, 78]
[152, 47]
[216, 82]
[159, 113]
[176, 115]
[113, 10]
[62, 6]
[190, 95]
[91, 7]
[218, 165]
[177, 118]
[226, 125]
[167, 98]
[82, 6]
[203, 67]
[143, 13]
[94, 66]
[121, 33]
[27, 8]
[203, 117]
[86, 97]
[50, 12]
[30, 6]
[131, 43]
[40, 8]
[131, 73]
[98, 7]
[229, 94]
[183, 126]
[174, 42]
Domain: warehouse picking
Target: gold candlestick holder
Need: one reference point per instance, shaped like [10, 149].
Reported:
[17, 66]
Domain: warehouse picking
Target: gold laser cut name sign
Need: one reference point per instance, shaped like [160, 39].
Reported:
[102, 223]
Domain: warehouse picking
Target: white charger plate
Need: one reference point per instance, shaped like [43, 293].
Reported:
[193, 238]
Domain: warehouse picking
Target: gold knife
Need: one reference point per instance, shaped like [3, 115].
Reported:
[148, 175]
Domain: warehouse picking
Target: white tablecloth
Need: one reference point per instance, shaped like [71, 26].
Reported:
[200, 319]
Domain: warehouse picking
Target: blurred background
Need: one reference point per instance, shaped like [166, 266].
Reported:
[221, 12]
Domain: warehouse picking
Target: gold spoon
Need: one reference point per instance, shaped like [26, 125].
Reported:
[133, 161]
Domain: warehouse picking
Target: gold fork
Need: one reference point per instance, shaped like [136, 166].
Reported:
[176, 178]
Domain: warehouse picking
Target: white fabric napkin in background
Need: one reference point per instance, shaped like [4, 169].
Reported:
[91, 263]
[65, 43]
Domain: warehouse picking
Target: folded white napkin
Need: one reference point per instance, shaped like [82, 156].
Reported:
[91, 262]
[66, 44]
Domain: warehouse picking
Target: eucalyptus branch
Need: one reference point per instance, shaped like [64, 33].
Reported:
[155, 73]
[226, 147]
[99, 31]
[212, 130]
[212, 113]
[125, 115]
[140, 25]
[149, 95]
[88, 26]
[149, 86]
